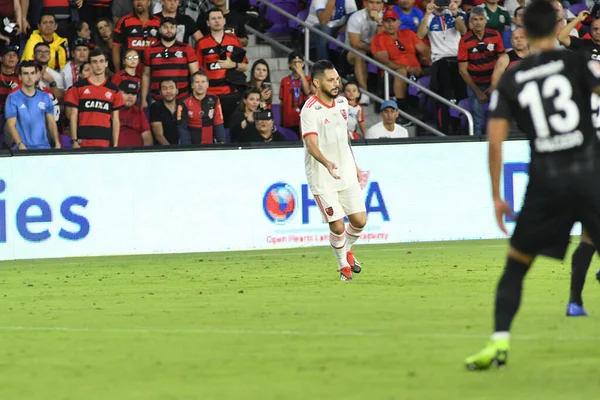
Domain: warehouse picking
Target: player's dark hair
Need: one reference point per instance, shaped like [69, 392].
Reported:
[96, 53]
[247, 93]
[40, 44]
[47, 14]
[200, 72]
[28, 64]
[539, 19]
[212, 10]
[351, 83]
[318, 69]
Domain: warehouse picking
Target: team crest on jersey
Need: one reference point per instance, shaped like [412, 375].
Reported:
[344, 114]
[153, 32]
[178, 54]
[329, 211]
[502, 19]
[190, 114]
[211, 113]
[229, 49]
[416, 21]
[491, 46]
[108, 95]
[42, 105]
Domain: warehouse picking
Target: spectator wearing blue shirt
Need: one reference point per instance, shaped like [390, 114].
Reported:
[330, 17]
[410, 16]
[517, 22]
[27, 108]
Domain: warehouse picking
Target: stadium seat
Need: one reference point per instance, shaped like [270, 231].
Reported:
[289, 134]
[423, 81]
[301, 16]
[577, 8]
[281, 24]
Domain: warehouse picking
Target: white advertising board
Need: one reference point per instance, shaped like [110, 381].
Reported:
[196, 201]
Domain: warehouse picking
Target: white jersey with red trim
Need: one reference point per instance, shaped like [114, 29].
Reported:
[329, 122]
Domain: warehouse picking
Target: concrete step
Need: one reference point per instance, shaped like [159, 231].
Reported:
[258, 51]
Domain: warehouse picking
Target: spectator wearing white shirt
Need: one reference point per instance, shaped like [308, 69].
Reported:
[330, 17]
[362, 26]
[70, 72]
[444, 25]
[50, 78]
[387, 128]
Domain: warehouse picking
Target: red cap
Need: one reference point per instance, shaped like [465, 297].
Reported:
[390, 14]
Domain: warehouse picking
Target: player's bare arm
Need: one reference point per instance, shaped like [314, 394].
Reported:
[312, 146]
[564, 36]
[499, 69]
[497, 133]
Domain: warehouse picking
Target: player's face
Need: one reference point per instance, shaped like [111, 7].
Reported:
[104, 29]
[129, 99]
[168, 32]
[329, 84]
[85, 31]
[390, 25]
[86, 72]
[377, 5]
[28, 76]
[216, 21]
[351, 92]
[141, 6]
[99, 65]
[595, 31]
[82, 53]
[389, 115]
[47, 25]
[168, 91]
[260, 72]
[10, 60]
[200, 85]
[478, 22]
[252, 102]
[264, 126]
[218, 3]
[519, 40]
[170, 6]
[42, 55]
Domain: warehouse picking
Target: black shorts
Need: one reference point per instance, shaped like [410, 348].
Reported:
[551, 207]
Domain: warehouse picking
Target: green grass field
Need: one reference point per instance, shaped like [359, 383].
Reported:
[280, 325]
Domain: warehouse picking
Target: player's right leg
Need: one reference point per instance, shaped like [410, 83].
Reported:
[508, 300]
[580, 263]
[333, 214]
[352, 201]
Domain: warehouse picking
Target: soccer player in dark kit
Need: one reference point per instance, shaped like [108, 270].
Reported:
[548, 94]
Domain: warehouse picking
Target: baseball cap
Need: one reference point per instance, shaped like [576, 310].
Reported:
[388, 104]
[168, 20]
[390, 14]
[129, 86]
[295, 54]
[8, 49]
[81, 42]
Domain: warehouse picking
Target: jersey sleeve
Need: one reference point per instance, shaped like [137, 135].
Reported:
[49, 104]
[414, 38]
[507, 19]
[155, 113]
[361, 114]
[308, 122]
[463, 54]
[118, 33]
[144, 124]
[72, 97]
[10, 107]
[353, 24]
[351, 7]
[146, 57]
[319, 5]
[118, 101]
[376, 44]
[191, 54]
[499, 44]
[500, 102]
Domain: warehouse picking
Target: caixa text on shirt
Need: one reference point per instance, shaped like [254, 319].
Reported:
[94, 104]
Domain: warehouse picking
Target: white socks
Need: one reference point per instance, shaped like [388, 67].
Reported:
[338, 244]
[352, 235]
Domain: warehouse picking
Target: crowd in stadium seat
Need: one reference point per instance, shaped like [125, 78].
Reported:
[177, 80]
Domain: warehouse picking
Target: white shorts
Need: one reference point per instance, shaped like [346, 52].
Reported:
[337, 205]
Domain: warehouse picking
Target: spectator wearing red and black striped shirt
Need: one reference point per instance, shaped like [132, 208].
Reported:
[137, 30]
[167, 59]
[9, 79]
[131, 60]
[478, 52]
[220, 55]
[202, 114]
[95, 106]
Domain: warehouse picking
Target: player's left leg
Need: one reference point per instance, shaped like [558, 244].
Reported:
[580, 263]
[508, 300]
[352, 201]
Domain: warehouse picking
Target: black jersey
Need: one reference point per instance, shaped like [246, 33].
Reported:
[587, 47]
[548, 94]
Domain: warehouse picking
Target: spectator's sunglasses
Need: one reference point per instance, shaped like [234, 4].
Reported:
[132, 57]
[400, 46]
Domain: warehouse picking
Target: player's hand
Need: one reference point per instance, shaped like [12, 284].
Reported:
[79, 3]
[144, 103]
[453, 7]
[430, 8]
[482, 97]
[583, 15]
[25, 25]
[332, 169]
[502, 208]
[358, 174]
[227, 63]
[375, 16]
[22, 146]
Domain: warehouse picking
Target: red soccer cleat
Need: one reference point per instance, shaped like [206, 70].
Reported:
[353, 262]
[345, 274]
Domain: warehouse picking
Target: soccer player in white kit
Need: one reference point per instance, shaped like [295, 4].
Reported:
[331, 170]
